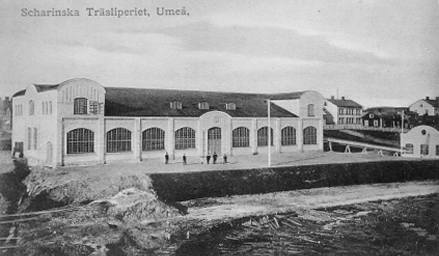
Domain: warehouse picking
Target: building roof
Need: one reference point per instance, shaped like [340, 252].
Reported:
[434, 103]
[344, 103]
[156, 102]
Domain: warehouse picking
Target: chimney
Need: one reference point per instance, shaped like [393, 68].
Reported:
[343, 98]
[427, 98]
[332, 97]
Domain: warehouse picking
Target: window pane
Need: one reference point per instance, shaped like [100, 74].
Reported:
[118, 140]
[80, 141]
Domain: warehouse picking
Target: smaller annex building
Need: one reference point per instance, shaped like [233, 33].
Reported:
[421, 141]
[79, 121]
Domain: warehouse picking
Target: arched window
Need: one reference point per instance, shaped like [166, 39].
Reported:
[29, 138]
[424, 149]
[185, 138]
[311, 110]
[35, 138]
[409, 148]
[80, 141]
[309, 135]
[241, 137]
[263, 136]
[288, 136]
[118, 140]
[31, 108]
[153, 139]
[80, 106]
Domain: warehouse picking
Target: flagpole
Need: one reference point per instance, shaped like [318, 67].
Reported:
[402, 132]
[269, 133]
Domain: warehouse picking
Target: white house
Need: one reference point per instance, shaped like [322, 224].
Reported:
[81, 122]
[421, 141]
[344, 111]
[426, 106]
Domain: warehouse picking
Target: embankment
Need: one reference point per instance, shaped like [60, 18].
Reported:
[184, 186]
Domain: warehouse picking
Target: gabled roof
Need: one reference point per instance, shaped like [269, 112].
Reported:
[156, 102]
[434, 103]
[344, 103]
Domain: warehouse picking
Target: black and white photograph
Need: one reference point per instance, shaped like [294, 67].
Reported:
[219, 127]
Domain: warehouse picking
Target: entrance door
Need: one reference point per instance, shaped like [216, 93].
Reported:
[214, 141]
[49, 153]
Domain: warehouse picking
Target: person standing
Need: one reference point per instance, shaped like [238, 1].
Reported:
[184, 159]
[215, 156]
[208, 158]
[166, 157]
[224, 159]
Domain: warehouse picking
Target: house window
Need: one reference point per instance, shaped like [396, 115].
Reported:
[46, 108]
[409, 148]
[118, 140]
[437, 150]
[50, 107]
[288, 136]
[424, 149]
[185, 138]
[309, 135]
[230, 106]
[42, 108]
[340, 120]
[311, 111]
[263, 137]
[375, 122]
[35, 138]
[358, 112]
[241, 137]
[80, 141]
[153, 139]
[340, 111]
[176, 105]
[203, 105]
[29, 138]
[31, 108]
[80, 106]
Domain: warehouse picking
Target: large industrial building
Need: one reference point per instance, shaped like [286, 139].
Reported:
[79, 121]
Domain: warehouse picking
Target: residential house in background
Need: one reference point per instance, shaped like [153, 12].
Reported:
[421, 141]
[344, 111]
[388, 117]
[427, 106]
[79, 121]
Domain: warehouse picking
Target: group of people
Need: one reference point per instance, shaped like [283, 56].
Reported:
[208, 157]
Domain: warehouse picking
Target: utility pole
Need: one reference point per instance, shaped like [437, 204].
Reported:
[269, 133]
[402, 132]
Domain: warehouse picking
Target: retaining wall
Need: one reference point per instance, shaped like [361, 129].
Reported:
[185, 186]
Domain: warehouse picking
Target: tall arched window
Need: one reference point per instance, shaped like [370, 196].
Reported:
[31, 108]
[118, 140]
[79, 141]
[241, 137]
[288, 136]
[311, 110]
[409, 148]
[153, 139]
[185, 138]
[29, 138]
[309, 135]
[80, 106]
[35, 138]
[263, 136]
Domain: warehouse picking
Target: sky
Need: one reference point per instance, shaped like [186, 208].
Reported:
[377, 53]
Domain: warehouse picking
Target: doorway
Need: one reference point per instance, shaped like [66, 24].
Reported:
[214, 141]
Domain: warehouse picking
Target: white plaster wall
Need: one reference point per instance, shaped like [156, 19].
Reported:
[415, 137]
[421, 106]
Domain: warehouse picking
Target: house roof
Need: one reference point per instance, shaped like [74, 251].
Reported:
[434, 103]
[345, 103]
[156, 102]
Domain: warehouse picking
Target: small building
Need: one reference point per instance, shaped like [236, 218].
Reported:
[421, 141]
[344, 111]
[387, 117]
[79, 121]
[427, 106]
